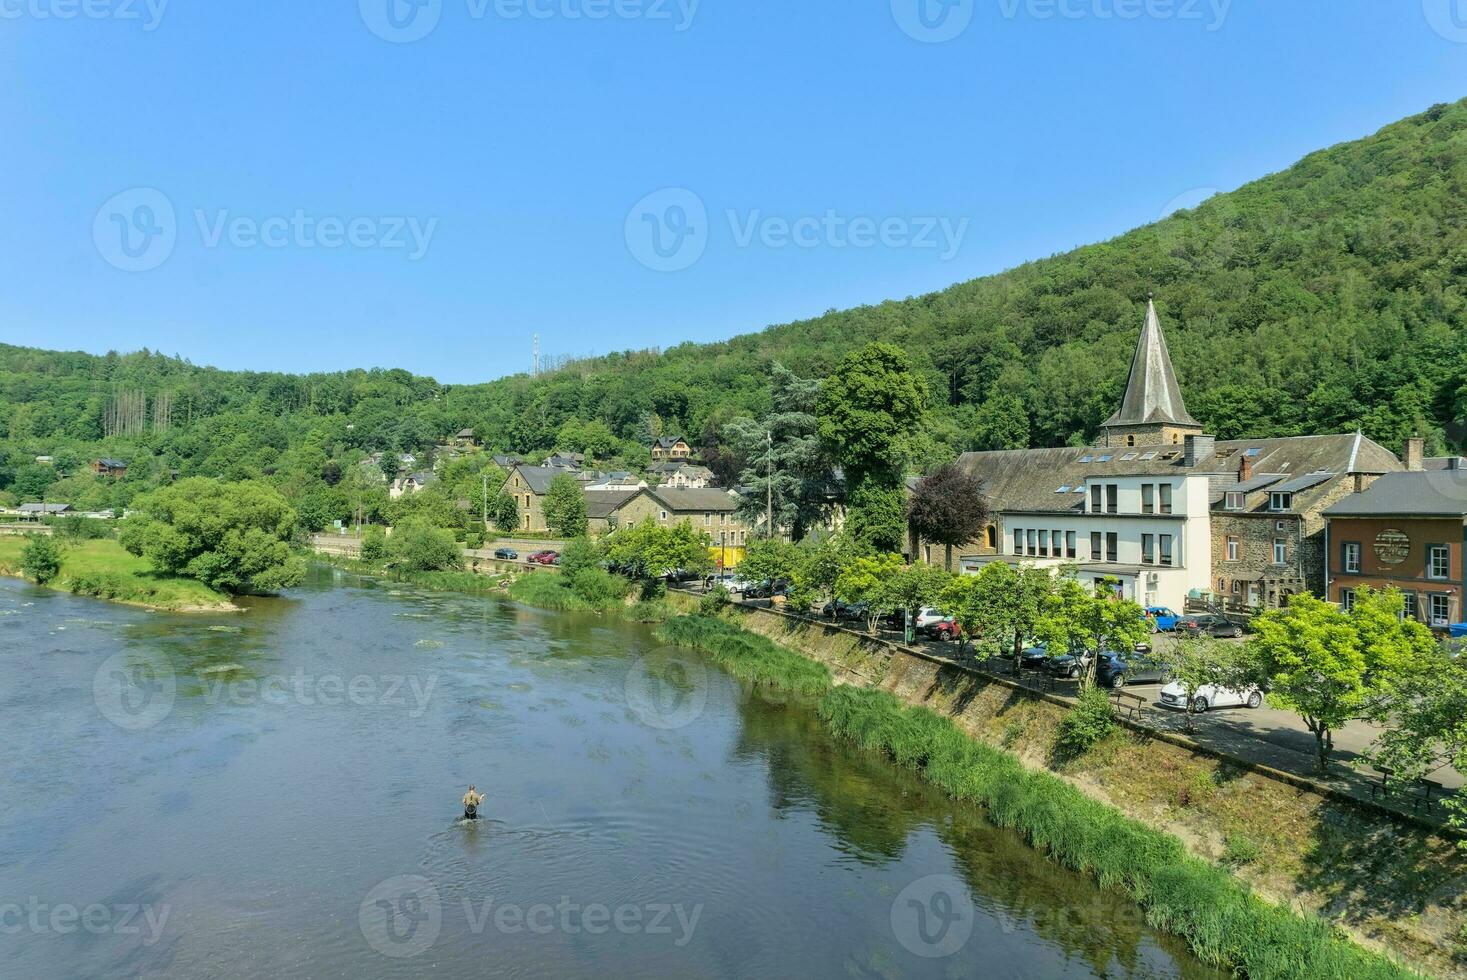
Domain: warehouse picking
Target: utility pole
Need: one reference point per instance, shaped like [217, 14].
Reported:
[769, 482]
[536, 372]
[485, 476]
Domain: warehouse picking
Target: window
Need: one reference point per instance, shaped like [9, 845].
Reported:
[1234, 547]
[1147, 551]
[1234, 500]
[1112, 498]
[1064, 489]
[1410, 611]
[664, 514]
[1147, 504]
[1087, 459]
[1441, 609]
[1164, 497]
[1130, 440]
[1095, 491]
[1033, 539]
[1347, 599]
[1095, 552]
[1253, 452]
[1350, 556]
[1043, 544]
[1018, 541]
[1280, 551]
[1237, 587]
[1166, 549]
[707, 520]
[1438, 561]
[1280, 501]
[1056, 541]
[1146, 456]
[1112, 548]
[1104, 459]
[1069, 544]
[990, 537]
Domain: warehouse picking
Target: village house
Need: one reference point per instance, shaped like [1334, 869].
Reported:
[671, 448]
[709, 510]
[1161, 512]
[411, 483]
[686, 476]
[528, 486]
[1407, 531]
[107, 466]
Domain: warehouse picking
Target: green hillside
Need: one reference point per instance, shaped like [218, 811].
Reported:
[1319, 299]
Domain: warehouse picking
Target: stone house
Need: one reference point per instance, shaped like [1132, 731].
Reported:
[671, 448]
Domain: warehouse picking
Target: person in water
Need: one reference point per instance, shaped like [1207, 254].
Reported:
[472, 799]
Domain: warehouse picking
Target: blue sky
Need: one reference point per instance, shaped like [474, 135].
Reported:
[625, 173]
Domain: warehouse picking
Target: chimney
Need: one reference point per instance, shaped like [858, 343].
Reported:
[1245, 468]
[1363, 481]
[1414, 454]
[1197, 449]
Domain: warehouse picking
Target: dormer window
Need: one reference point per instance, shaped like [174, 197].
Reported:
[1280, 501]
[1235, 500]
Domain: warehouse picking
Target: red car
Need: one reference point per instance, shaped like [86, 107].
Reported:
[942, 631]
[545, 557]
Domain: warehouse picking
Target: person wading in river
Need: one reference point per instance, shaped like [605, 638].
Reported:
[472, 799]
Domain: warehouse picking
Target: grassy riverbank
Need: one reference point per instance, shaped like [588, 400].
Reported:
[469, 583]
[1225, 923]
[103, 569]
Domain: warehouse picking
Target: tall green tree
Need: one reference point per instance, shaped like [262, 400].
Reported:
[869, 411]
[565, 506]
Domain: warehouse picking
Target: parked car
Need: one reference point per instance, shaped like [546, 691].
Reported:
[1163, 620]
[1209, 696]
[1034, 658]
[845, 610]
[1074, 663]
[545, 557]
[507, 554]
[928, 615]
[1208, 625]
[943, 630]
[1114, 670]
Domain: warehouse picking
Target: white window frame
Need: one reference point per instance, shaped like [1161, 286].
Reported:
[1280, 551]
[1446, 607]
[1351, 559]
[1433, 552]
[1234, 547]
[1347, 599]
[1279, 501]
[1235, 500]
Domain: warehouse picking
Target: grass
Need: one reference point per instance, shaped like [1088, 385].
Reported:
[103, 569]
[1223, 921]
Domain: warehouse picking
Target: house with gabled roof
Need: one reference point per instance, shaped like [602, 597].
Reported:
[667, 448]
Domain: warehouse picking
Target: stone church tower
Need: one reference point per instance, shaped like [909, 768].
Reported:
[1152, 412]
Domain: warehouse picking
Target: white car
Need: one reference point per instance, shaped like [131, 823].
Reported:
[1174, 695]
[929, 616]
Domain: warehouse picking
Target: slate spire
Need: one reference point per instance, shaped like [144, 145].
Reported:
[1152, 395]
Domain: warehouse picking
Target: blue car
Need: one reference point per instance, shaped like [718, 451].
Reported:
[1163, 620]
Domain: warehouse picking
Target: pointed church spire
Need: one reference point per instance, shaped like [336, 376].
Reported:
[1152, 395]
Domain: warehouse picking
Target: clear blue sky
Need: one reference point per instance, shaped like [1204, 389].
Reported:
[521, 147]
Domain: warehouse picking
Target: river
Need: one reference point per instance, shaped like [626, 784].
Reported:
[276, 794]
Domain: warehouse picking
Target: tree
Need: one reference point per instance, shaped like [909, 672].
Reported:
[565, 506]
[876, 517]
[504, 512]
[1076, 615]
[647, 550]
[374, 543]
[913, 588]
[788, 468]
[40, 559]
[418, 546]
[1002, 604]
[579, 553]
[234, 537]
[1001, 422]
[869, 410]
[948, 507]
[772, 559]
[1196, 662]
[864, 580]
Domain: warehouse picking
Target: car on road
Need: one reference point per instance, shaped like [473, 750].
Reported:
[1209, 696]
[506, 554]
[838, 610]
[942, 630]
[928, 615]
[1208, 624]
[1115, 670]
[1163, 620]
[1074, 663]
[1034, 657]
[545, 557]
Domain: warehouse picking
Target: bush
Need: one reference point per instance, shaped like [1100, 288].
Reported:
[40, 560]
[579, 553]
[81, 528]
[1087, 722]
[474, 538]
[712, 602]
[419, 547]
[597, 587]
[374, 544]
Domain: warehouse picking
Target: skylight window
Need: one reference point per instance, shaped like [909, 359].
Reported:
[1148, 455]
[1105, 459]
[1255, 451]
[1087, 459]
[1128, 457]
[1079, 489]
[1064, 489]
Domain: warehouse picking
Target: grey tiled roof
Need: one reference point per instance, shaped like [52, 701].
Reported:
[601, 504]
[683, 500]
[1422, 494]
[1152, 393]
[539, 477]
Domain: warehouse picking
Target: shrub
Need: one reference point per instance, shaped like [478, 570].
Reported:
[374, 544]
[712, 603]
[579, 553]
[597, 587]
[419, 547]
[474, 538]
[1086, 723]
[40, 560]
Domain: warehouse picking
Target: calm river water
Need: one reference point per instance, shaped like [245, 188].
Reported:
[276, 794]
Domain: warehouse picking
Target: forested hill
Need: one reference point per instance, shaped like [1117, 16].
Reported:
[1319, 299]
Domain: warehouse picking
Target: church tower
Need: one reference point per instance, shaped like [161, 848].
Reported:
[1152, 412]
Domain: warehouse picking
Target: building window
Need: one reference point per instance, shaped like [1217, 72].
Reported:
[1233, 547]
[1130, 440]
[990, 537]
[1148, 554]
[1033, 548]
[1347, 599]
[664, 514]
[1164, 497]
[1112, 547]
[1438, 561]
[1166, 549]
[1237, 587]
[1235, 500]
[1043, 544]
[1147, 505]
[1069, 544]
[1410, 611]
[707, 520]
[1095, 491]
[1441, 609]
[1095, 552]
[1280, 551]
[1350, 558]
[1280, 501]
[1018, 541]
[1112, 498]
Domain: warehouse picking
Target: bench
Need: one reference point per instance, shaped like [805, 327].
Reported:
[1382, 786]
[1428, 791]
[1127, 706]
[1427, 788]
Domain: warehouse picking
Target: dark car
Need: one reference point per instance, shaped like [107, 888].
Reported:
[767, 589]
[1114, 670]
[1034, 658]
[845, 610]
[1208, 625]
[1072, 664]
[507, 554]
